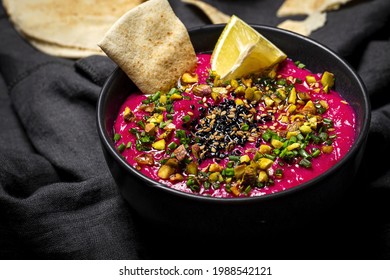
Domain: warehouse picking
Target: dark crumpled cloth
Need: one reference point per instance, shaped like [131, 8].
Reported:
[59, 201]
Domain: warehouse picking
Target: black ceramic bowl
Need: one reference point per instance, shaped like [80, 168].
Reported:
[159, 204]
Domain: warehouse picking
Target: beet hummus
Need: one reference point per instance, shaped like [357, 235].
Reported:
[246, 137]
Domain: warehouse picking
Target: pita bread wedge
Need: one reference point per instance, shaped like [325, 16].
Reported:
[151, 45]
[69, 28]
[307, 26]
[215, 15]
[308, 7]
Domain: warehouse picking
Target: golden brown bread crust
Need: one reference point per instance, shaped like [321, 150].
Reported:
[151, 45]
[69, 28]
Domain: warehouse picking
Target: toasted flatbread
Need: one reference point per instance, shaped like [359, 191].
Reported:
[69, 28]
[308, 7]
[64, 51]
[307, 26]
[215, 15]
[151, 45]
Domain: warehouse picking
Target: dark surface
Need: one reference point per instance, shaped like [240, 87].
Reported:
[59, 201]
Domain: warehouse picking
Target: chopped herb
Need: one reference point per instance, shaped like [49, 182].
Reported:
[247, 190]
[234, 158]
[117, 137]
[245, 127]
[186, 118]
[172, 145]
[305, 163]
[121, 147]
[315, 152]
[141, 124]
[169, 116]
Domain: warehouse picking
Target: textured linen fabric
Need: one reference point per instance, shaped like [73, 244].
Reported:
[59, 201]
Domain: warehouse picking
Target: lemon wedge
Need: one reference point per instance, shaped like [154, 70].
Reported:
[241, 50]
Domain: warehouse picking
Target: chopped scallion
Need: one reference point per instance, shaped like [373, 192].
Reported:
[117, 137]
[121, 147]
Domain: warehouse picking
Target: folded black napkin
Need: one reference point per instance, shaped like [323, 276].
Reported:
[59, 201]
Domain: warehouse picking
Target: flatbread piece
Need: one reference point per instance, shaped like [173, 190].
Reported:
[70, 28]
[308, 7]
[215, 15]
[307, 26]
[151, 45]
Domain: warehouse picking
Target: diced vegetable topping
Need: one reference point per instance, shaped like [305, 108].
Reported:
[282, 124]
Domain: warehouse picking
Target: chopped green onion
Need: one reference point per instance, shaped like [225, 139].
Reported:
[299, 64]
[146, 139]
[234, 158]
[169, 108]
[229, 172]
[281, 82]
[304, 153]
[300, 137]
[195, 188]
[305, 163]
[260, 185]
[316, 139]
[271, 157]
[186, 118]
[141, 124]
[227, 188]
[172, 145]
[172, 91]
[190, 182]
[247, 190]
[323, 136]
[133, 131]
[163, 124]
[315, 152]
[121, 147]
[279, 173]
[156, 96]
[267, 136]
[117, 137]
[245, 127]
[169, 116]
[292, 139]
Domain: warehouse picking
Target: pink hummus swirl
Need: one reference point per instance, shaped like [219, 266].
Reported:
[323, 136]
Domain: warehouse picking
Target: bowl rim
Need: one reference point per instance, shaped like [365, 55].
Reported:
[357, 144]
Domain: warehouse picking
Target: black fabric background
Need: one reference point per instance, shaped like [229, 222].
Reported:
[59, 201]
